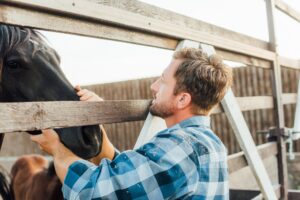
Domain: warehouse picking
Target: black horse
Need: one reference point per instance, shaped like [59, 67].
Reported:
[29, 71]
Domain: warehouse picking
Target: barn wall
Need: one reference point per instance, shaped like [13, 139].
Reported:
[248, 81]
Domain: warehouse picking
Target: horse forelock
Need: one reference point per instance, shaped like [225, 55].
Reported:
[13, 37]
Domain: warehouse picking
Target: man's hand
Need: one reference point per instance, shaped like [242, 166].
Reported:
[87, 95]
[108, 150]
[48, 141]
[63, 157]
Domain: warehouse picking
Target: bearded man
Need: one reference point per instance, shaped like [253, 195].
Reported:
[185, 161]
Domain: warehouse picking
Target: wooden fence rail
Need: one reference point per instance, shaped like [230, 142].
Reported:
[124, 21]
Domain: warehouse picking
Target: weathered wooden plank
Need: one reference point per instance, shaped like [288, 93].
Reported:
[121, 18]
[281, 5]
[181, 20]
[151, 11]
[59, 23]
[290, 63]
[15, 113]
[289, 98]
[66, 24]
[246, 173]
[40, 115]
[238, 161]
[247, 60]
[250, 103]
[294, 194]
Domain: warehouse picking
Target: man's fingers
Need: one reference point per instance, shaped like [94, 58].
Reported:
[41, 148]
[87, 96]
[44, 136]
[49, 134]
[48, 131]
[34, 138]
[77, 87]
[82, 92]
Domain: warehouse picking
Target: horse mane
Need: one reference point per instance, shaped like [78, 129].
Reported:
[12, 37]
[5, 190]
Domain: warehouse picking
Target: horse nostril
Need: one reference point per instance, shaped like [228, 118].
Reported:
[35, 132]
[86, 137]
[92, 136]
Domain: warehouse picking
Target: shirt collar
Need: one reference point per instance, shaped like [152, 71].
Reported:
[193, 121]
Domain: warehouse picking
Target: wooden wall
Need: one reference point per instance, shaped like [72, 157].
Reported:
[248, 81]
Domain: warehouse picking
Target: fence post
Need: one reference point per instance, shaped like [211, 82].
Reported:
[244, 138]
[277, 94]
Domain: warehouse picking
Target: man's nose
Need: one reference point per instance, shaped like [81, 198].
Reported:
[154, 86]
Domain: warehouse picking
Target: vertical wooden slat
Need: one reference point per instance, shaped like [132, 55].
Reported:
[251, 86]
[277, 93]
[257, 116]
[237, 90]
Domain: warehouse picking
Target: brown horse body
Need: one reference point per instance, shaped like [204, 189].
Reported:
[32, 179]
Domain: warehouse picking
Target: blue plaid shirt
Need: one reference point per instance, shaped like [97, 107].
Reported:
[185, 161]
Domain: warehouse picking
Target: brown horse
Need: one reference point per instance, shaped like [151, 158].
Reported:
[29, 71]
[33, 180]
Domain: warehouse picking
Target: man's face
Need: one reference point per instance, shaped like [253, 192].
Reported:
[164, 100]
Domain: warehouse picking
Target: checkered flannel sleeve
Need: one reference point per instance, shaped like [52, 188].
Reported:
[171, 166]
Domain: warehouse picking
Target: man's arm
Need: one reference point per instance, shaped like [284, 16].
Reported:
[108, 150]
[63, 157]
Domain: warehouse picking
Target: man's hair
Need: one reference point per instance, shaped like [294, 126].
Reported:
[205, 78]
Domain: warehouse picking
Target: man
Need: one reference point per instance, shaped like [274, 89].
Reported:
[185, 161]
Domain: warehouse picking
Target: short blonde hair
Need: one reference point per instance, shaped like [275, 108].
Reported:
[205, 78]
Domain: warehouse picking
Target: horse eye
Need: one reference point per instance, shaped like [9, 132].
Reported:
[12, 65]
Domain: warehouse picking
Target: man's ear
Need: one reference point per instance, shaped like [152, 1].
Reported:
[184, 100]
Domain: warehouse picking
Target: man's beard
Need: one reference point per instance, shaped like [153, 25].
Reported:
[162, 110]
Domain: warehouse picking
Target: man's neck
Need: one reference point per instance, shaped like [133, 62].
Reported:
[177, 118]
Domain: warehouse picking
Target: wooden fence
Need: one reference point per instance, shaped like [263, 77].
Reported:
[140, 23]
[248, 81]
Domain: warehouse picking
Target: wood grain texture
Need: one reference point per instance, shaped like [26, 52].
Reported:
[40, 115]
[285, 8]
[132, 21]
[238, 161]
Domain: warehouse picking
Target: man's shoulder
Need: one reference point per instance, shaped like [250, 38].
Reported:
[201, 139]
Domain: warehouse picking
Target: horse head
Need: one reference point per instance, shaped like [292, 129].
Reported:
[30, 71]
